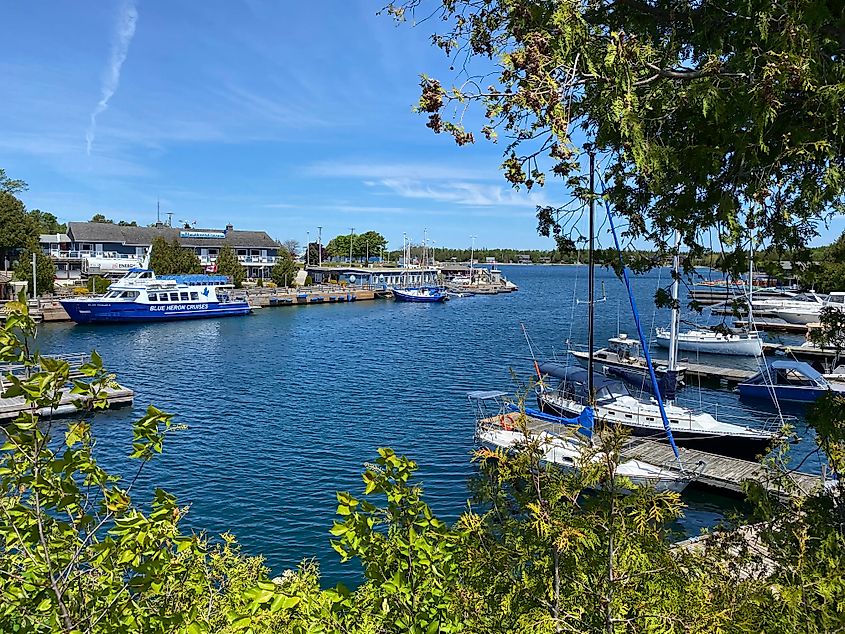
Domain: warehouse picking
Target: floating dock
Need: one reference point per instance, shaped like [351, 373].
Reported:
[11, 408]
[265, 297]
[703, 468]
[715, 374]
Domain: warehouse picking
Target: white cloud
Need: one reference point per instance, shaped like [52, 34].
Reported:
[463, 193]
[372, 172]
[120, 48]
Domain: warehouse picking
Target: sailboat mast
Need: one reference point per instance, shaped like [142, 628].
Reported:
[591, 282]
[673, 327]
[750, 272]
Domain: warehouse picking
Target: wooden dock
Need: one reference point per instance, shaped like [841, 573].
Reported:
[11, 408]
[777, 325]
[714, 375]
[266, 297]
[704, 469]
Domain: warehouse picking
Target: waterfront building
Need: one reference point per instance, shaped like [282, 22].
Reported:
[384, 276]
[110, 250]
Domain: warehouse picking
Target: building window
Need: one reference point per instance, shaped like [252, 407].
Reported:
[241, 251]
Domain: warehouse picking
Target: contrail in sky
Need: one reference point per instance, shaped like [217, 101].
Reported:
[120, 47]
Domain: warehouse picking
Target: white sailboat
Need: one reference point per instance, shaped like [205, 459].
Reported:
[564, 450]
[705, 341]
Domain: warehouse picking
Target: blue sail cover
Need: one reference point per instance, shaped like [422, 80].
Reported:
[585, 420]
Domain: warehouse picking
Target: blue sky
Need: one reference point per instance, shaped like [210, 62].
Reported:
[270, 115]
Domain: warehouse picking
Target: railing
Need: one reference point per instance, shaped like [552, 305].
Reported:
[245, 259]
[104, 255]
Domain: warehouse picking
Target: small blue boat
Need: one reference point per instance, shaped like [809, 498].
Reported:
[428, 294]
[140, 296]
[793, 381]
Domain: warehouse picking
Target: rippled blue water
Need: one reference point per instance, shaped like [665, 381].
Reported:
[284, 406]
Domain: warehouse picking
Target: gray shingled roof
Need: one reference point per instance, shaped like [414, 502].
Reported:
[143, 236]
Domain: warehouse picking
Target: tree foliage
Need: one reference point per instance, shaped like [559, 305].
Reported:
[17, 229]
[170, 258]
[228, 264]
[47, 222]
[368, 242]
[827, 272]
[284, 271]
[10, 185]
[705, 117]
[291, 246]
[100, 218]
[45, 269]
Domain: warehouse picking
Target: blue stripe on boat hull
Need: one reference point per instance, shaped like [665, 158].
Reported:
[86, 312]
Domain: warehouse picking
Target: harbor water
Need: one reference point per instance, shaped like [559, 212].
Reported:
[283, 407]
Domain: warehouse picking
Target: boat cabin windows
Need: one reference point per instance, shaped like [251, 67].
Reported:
[183, 296]
[174, 297]
[195, 296]
[836, 299]
[793, 378]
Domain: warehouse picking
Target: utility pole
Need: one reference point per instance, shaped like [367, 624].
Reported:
[471, 259]
[351, 240]
[34, 285]
[319, 246]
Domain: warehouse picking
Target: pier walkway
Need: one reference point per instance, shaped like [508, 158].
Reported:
[707, 469]
[11, 408]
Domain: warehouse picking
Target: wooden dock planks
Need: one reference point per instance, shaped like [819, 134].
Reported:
[10, 408]
[712, 470]
[715, 373]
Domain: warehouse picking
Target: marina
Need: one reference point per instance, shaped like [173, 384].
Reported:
[353, 399]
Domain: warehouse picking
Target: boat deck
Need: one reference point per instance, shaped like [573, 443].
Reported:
[706, 469]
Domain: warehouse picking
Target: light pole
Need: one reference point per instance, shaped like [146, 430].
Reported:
[319, 246]
[471, 258]
[351, 240]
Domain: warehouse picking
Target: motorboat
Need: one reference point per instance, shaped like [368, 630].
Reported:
[430, 294]
[497, 428]
[786, 380]
[563, 391]
[141, 296]
[708, 341]
[623, 357]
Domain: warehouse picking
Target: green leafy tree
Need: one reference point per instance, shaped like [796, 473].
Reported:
[170, 258]
[369, 242]
[11, 186]
[228, 264]
[45, 269]
[827, 272]
[17, 228]
[47, 222]
[100, 218]
[284, 271]
[338, 246]
[98, 285]
[701, 122]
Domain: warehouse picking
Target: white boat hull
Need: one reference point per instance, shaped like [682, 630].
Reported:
[564, 453]
[713, 343]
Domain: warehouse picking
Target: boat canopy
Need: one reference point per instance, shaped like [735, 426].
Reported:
[482, 395]
[799, 366]
[604, 387]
